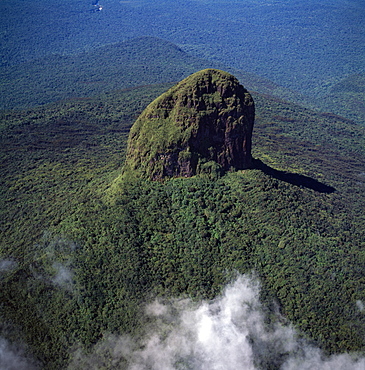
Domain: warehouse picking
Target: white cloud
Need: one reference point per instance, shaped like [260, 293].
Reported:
[228, 333]
[63, 276]
[13, 358]
[7, 265]
[360, 305]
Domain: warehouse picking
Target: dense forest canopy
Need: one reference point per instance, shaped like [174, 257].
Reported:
[309, 48]
[261, 267]
[296, 220]
[302, 45]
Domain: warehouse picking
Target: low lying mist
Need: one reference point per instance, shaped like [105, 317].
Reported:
[13, 357]
[7, 266]
[229, 333]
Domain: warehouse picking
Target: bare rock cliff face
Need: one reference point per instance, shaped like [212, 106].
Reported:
[202, 124]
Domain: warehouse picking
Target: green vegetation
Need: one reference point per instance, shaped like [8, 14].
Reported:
[346, 98]
[83, 253]
[57, 77]
[82, 248]
[301, 45]
[138, 62]
[307, 47]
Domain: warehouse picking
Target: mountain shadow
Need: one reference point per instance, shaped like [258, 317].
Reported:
[293, 178]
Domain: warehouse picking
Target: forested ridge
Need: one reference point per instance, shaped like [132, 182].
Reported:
[82, 249]
[313, 52]
[137, 62]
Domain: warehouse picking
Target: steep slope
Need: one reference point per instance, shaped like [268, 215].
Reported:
[202, 124]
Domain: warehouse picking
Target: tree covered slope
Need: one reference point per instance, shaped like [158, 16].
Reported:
[137, 62]
[141, 61]
[82, 250]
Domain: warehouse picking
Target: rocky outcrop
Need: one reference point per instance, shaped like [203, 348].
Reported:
[202, 124]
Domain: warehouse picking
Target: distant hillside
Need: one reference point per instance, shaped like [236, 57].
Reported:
[138, 62]
[146, 61]
[80, 252]
[142, 61]
[346, 98]
[298, 44]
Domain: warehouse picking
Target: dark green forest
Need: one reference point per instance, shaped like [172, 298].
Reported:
[86, 244]
[138, 62]
[303, 46]
[142, 61]
[84, 248]
[292, 43]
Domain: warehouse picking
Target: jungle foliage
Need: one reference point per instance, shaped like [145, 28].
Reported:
[137, 62]
[345, 98]
[141, 61]
[82, 249]
[305, 46]
[298, 44]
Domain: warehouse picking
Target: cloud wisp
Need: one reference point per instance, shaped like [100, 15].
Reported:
[7, 265]
[13, 357]
[229, 333]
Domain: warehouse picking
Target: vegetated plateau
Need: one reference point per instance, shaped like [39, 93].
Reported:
[82, 249]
